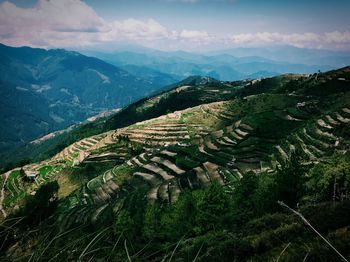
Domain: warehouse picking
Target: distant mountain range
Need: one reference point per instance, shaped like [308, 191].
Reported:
[232, 64]
[292, 55]
[46, 90]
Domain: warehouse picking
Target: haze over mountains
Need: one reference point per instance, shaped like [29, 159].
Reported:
[230, 64]
[53, 89]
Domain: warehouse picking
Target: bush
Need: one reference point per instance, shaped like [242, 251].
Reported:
[39, 206]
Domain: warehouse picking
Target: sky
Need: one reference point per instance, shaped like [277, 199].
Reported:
[191, 25]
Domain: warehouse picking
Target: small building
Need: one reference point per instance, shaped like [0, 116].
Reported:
[31, 174]
[76, 162]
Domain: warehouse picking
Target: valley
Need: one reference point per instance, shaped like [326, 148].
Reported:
[174, 131]
[54, 89]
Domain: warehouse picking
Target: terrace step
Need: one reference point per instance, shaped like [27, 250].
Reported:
[169, 165]
[282, 153]
[223, 143]
[314, 140]
[208, 143]
[174, 191]
[323, 124]
[228, 140]
[342, 119]
[150, 178]
[234, 134]
[241, 132]
[152, 194]
[331, 120]
[325, 134]
[202, 175]
[346, 110]
[305, 148]
[155, 169]
[168, 153]
[163, 192]
[212, 171]
[202, 150]
[155, 131]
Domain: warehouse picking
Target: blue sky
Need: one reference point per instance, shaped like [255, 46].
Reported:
[286, 15]
[176, 24]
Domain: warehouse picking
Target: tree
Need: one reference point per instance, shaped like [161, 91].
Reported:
[243, 197]
[330, 180]
[41, 205]
[213, 205]
[179, 219]
[289, 181]
[123, 223]
[152, 221]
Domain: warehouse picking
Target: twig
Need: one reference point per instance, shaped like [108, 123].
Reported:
[166, 255]
[140, 251]
[116, 243]
[194, 260]
[308, 224]
[178, 243]
[127, 252]
[56, 237]
[91, 242]
[284, 249]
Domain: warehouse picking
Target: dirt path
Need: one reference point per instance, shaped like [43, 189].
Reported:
[2, 192]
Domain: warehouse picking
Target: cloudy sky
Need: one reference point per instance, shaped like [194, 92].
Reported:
[175, 24]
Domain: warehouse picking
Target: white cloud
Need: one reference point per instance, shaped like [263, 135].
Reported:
[195, 36]
[337, 37]
[72, 23]
[67, 23]
[48, 22]
[296, 39]
[135, 29]
[55, 15]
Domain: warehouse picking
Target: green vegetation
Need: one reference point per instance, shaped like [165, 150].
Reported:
[199, 184]
[245, 224]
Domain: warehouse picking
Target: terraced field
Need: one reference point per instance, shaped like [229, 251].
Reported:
[224, 155]
[189, 149]
[16, 186]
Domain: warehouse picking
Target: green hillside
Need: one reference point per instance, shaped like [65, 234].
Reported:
[49, 90]
[193, 173]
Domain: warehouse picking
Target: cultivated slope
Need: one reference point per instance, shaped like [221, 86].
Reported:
[226, 132]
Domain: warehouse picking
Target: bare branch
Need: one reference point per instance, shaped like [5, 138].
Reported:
[308, 224]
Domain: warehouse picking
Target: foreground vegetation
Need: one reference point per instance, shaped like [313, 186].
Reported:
[240, 225]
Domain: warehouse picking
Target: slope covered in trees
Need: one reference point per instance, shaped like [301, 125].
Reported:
[200, 183]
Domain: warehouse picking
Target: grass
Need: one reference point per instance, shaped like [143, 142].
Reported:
[75, 154]
[122, 174]
[186, 162]
[13, 187]
[44, 171]
[66, 185]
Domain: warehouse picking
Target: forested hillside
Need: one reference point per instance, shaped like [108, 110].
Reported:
[205, 170]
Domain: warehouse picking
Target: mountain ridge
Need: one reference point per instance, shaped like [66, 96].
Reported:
[64, 87]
